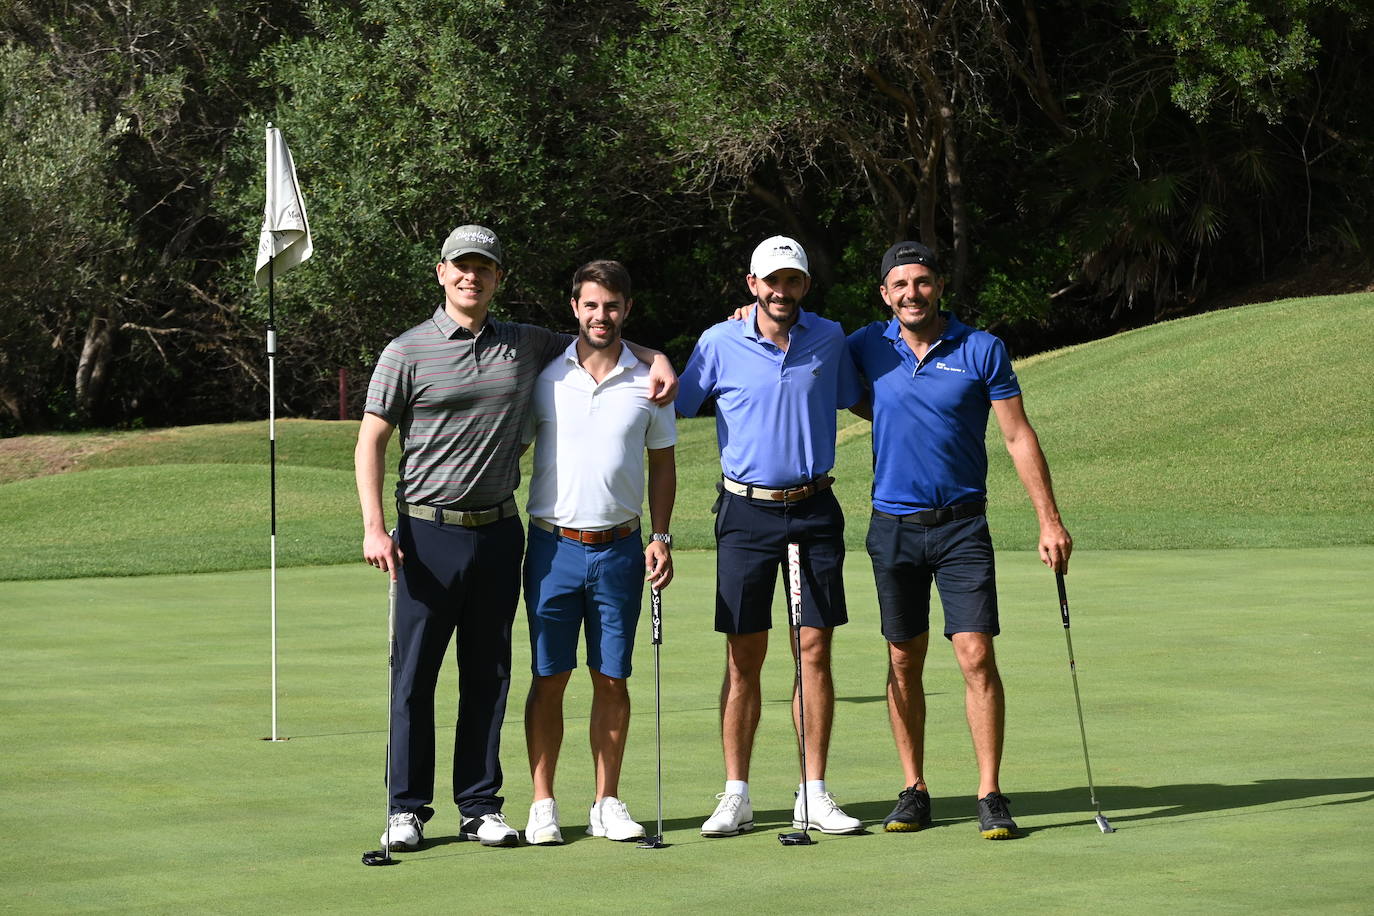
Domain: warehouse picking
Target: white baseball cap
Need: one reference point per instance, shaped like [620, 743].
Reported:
[778, 253]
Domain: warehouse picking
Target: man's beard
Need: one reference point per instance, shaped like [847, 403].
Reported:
[611, 340]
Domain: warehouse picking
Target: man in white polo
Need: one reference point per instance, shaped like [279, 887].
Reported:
[586, 563]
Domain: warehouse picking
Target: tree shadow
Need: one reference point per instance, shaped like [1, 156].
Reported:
[1167, 801]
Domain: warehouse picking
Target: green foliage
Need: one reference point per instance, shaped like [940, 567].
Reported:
[62, 225]
[1253, 52]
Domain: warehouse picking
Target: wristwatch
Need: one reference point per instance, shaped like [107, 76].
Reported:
[665, 539]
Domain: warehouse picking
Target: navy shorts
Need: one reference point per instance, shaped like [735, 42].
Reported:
[571, 587]
[751, 549]
[958, 555]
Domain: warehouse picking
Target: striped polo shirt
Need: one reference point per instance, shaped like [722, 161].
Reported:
[460, 402]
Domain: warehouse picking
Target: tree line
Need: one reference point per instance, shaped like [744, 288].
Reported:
[1082, 166]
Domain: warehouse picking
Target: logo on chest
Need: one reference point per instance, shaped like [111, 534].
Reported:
[948, 368]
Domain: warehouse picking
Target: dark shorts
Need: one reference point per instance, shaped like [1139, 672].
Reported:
[572, 587]
[958, 555]
[751, 548]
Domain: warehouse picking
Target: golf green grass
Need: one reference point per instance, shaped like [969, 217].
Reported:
[1226, 696]
[1226, 692]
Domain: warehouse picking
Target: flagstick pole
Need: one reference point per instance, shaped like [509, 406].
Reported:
[272, 461]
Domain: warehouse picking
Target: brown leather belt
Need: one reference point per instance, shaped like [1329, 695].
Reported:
[466, 518]
[929, 518]
[790, 495]
[586, 536]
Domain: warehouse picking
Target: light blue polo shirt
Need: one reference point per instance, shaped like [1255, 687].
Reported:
[930, 419]
[775, 409]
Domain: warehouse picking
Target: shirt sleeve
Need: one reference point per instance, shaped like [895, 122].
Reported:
[662, 428]
[392, 385]
[698, 379]
[1001, 378]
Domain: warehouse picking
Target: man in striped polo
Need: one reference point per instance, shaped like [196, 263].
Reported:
[777, 379]
[458, 387]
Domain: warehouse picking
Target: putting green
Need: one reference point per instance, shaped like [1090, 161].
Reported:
[1226, 696]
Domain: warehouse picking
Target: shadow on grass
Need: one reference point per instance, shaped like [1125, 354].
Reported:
[1184, 800]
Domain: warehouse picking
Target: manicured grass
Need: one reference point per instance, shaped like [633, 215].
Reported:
[1226, 695]
[1241, 428]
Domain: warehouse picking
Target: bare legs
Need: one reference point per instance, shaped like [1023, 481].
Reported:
[984, 704]
[740, 698]
[608, 729]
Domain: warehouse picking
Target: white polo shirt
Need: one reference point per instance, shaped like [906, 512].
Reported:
[590, 441]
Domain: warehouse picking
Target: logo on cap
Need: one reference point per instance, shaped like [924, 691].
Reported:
[481, 238]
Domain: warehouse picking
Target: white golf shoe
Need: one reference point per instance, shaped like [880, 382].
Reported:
[733, 816]
[542, 828]
[611, 819]
[490, 830]
[404, 832]
[824, 815]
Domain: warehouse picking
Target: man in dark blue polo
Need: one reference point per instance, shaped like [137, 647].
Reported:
[777, 380]
[932, 381]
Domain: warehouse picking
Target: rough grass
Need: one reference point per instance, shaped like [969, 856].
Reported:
[1242, 428]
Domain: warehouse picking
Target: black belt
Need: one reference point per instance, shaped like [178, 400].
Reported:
[468, 518]
[932, 517]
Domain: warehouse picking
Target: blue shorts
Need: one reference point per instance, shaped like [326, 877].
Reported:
[751, 548]
[570, 587]
[958, 555]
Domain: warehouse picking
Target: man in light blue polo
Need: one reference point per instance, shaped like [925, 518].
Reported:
[777, 379]
[933, 381]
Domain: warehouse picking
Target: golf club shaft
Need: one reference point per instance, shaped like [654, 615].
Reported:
[390, 694]
[794, 609]
[1077, 701]
[656, 618]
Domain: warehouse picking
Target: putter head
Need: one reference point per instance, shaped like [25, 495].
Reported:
[1103, 825]
[651, 842]
[378, 857]
[799, 838]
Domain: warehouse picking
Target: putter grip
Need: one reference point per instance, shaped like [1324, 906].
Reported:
[794, 583]
[1063, 599]
[656, 615]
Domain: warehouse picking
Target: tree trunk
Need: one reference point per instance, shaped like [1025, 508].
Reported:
[958, 208]
[92, 370]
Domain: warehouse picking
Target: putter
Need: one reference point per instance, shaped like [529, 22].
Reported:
[383, 856]
[1102, 822]
[800, 837]
[656, 619]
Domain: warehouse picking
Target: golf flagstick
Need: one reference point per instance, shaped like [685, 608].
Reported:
[656, 620]
[800, 837]
[285, 237]
[383, 856]
[1102, 823]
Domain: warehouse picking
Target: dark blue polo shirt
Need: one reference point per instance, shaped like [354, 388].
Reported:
[930, 418]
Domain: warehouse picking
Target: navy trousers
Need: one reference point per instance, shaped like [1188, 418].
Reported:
[462, 582]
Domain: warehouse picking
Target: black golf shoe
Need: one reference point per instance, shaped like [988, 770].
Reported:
[994, 818]
[912, 811]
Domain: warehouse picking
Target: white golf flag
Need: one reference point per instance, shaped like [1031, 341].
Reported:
[285, 239]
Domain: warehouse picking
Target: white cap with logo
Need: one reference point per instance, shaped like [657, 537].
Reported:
[778, 253]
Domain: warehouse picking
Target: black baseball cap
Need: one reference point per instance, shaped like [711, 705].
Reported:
[908, 253]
